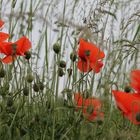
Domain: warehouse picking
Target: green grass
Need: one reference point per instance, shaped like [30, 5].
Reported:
[50, 114]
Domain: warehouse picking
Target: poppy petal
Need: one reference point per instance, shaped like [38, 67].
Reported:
[83, 66]
[135, 80]
[3, 36]
[23, 45]
[78, 98]
[8, 59]
[96, 66]
[129, 104]
[6, 48]
[94, 52]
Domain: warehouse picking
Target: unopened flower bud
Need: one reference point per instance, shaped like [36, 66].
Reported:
[62, 64]
[73, 56]
[29, 78]
[56, 48]
[41, 86]
[60, 72]
[36, 87]
[26, 91]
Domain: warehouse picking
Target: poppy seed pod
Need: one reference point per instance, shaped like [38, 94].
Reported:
[60, 72]
[73, 57]
[27, 55]
[26, 91]
[36, 87]
[56, 48]
[62, 64]
[2, 73]
[41, 86]
[29, 78]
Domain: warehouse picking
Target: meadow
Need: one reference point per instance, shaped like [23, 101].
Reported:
[69, 70]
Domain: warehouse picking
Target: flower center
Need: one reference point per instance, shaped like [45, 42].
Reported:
[87, 52]
[90, 109]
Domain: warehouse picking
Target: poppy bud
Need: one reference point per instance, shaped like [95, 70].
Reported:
[36, 87]
[60, 72]
[90, 109]
[41, 86]
[62, 64]
[9, 101]
[69, 71]
[29, 78]
[56, 48]
[138, 117]
[73, 56]
[2, 73]
[26, 91]
[27, 55]
[127, 89]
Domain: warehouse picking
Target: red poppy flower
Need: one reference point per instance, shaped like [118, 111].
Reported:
[12, 50]
[91, 107]
[129, 104]
[3, 36]
[89, 57]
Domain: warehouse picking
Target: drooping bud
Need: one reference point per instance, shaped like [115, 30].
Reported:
[56, 48]
[60, 72]
[25, 91]
[62, 64]
[73, 57]
[41, 86]
[29, 78]
[36, 87]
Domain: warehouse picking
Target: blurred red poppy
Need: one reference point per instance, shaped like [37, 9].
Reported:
[3, 36]
[91, 107]
[89, 57]
[129, 103]
[12, 50]
[135, 80]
